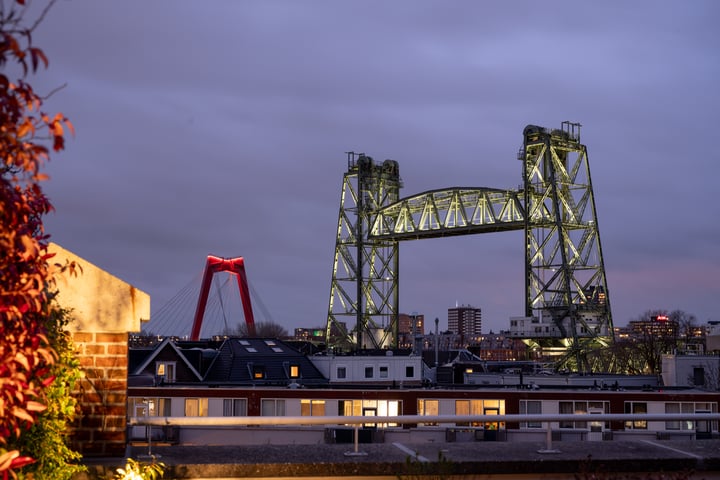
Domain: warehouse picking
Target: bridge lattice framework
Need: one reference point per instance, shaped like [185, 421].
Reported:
[567, 303]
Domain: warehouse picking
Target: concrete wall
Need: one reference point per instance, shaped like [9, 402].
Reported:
[678, 370]
[104, 310]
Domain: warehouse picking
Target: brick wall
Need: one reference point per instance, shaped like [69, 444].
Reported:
[104, 309]
[100, 428]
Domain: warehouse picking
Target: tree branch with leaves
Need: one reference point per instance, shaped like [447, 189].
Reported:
[27, 136]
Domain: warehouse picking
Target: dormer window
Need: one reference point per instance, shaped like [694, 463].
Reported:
[258, 372]
[165, 371]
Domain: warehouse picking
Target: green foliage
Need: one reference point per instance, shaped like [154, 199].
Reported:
[135, 470]
[46, 441]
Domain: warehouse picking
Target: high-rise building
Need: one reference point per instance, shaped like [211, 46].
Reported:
[466, 321]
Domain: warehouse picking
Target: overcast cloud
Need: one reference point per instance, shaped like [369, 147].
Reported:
[220, 128]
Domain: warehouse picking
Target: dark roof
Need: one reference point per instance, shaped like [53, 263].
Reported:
[238, 360]
[138, 356]
[446, 357]
[166, 351]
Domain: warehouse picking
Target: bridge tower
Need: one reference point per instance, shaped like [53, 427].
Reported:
[566, 290]
[363, 307]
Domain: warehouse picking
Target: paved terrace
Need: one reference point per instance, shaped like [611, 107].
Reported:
[468, 460]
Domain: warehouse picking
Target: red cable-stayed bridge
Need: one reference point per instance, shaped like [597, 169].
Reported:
[211, 304]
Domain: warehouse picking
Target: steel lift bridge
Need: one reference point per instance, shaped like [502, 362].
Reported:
[567, 307]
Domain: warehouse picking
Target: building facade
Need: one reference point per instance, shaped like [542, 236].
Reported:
[465, 320]
[410, 327]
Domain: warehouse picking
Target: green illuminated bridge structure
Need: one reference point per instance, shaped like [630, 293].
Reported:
[567, 306]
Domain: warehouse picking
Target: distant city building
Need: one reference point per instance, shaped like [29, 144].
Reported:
[310, 334]
[316, 335]
[406, 322]
[465, 321]
[657, 326]
[712, 335]
[409, 327]
[499, 347]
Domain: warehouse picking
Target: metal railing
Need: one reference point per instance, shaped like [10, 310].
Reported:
[448, 420]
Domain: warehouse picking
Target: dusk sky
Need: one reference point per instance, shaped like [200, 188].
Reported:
[221, 128]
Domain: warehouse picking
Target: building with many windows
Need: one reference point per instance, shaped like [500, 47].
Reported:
[466, 321]
[263, 377]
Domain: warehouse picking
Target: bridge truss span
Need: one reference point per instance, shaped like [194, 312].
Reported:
[448, 212]
[567, 307]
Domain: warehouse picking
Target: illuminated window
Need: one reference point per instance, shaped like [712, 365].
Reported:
[294, 371]
[165, 371]
[350, 408]
[258, 372]
[312, 408]
[150, 407]
[371, 408]
[468, 407]
[636, 407]
[428, 408]
[196, 407]
[234, 407]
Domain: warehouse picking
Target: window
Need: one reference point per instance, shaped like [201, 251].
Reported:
[350, 408]
[258, 372]
[531, 407]
[150, 407]
[341, 372]
[294, 371]
[196, 407]
[677, 407]
[698, 376]
[409, 371]
[234, 407]
[468, 407]
[371, 408]
[566, 408]
[271, 407]
[165, 371]
[576, 408]
[636, 407]
[312, 408]
[480, 407]
[368, 372]
[428, 408]
[383, 371]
